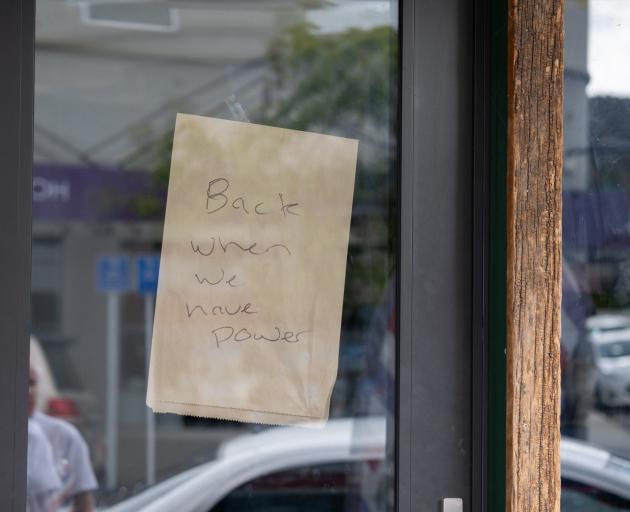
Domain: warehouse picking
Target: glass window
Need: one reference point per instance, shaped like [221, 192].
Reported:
[326, 487]
[579, 497]
[110, 78]
[596, 255]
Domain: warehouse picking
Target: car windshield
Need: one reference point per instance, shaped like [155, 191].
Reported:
[615, 349]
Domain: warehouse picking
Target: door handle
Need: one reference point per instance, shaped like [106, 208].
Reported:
[452, 505]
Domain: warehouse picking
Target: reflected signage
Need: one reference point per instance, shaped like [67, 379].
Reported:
[93, 194]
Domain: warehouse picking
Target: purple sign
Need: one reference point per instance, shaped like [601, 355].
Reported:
[75, 193]
[595, 220]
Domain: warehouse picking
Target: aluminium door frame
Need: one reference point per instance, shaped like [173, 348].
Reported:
[444, 133]
[426, 22]
[17, 22]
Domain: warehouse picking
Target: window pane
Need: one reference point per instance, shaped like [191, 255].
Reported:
[596, 257]
[110, 79]
[326, 487]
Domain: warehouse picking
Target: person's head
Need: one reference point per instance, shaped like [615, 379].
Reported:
[32, 391]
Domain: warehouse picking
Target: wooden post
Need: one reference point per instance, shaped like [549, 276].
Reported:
[534, 257]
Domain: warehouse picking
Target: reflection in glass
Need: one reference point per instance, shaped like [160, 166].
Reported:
[595, 352]
[324, 487]
[110, 77]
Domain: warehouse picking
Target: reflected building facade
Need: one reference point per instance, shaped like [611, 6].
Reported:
[110, 78]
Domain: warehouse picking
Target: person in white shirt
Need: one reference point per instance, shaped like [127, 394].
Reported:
[72, 461]
[43, 485]
[72, 458]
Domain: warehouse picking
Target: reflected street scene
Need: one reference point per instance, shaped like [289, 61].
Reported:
[111, 76]
[595, 352]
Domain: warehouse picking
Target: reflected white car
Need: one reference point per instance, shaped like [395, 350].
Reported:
[610, 340]
[252, 456]
[593, 478]
[590, 476]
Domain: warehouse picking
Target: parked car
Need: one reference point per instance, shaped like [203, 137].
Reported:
[342, 467]
[321, 467]
[592, 478]
[609, 336]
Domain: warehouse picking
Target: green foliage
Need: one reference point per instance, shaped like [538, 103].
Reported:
[345, 84]
[152, 206]
[343, 80]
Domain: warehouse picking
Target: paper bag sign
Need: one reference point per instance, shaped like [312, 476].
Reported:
[250, 293]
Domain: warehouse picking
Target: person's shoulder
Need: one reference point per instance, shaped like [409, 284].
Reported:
[59, 426]
[35, 431]
[40, 468]
[68, 441]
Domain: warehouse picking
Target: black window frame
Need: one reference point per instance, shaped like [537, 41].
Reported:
[462, 28]
[17, 21]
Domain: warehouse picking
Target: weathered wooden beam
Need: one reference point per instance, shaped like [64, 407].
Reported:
[534, 254]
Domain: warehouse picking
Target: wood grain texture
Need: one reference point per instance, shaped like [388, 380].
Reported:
[534, 257]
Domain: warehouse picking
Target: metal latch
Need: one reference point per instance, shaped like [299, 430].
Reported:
[452, 505]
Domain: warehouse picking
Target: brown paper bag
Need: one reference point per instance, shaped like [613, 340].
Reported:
[250, 293]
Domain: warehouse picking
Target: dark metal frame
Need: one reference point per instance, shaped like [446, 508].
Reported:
[443, 233]
[497, 258]
[16, 149]
[442, 372]
[481, 253]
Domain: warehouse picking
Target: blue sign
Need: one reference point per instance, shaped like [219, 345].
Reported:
[112, 273]
[147, 270]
